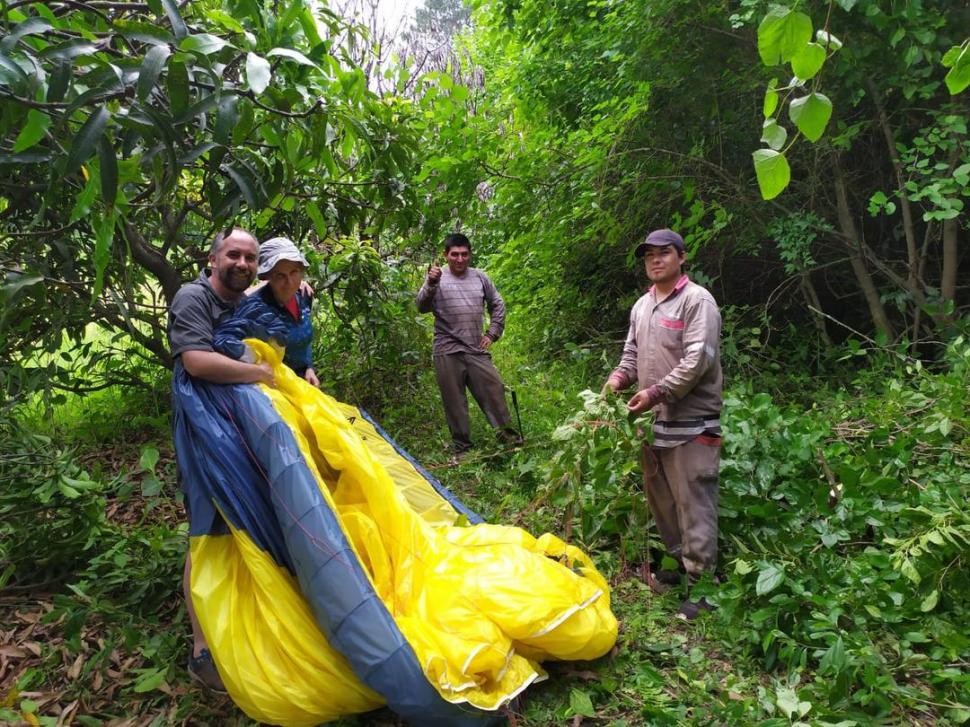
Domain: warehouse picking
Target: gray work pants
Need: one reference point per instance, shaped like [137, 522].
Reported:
[455, 372]
[681, 487]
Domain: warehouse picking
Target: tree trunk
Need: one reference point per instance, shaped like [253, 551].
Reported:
[912, 256]
[948, 279]
[857, 258]
[811, 299]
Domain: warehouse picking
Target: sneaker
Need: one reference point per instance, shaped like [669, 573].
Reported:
[690, 610]
[203, 670]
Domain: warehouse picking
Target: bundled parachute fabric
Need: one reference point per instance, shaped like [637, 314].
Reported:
[331, 573]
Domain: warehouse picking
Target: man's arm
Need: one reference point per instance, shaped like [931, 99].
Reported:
[702, 328]
[218, 369]
[425, 297]
[496, 309]
[626, 372]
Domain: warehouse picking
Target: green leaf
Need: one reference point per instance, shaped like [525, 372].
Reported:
[957, 59]
[226, 21]
[85, 140]
[204, 43]
[782, 34]
[258, 73]
[178, 25]
[808, 61]
[178, 86]
[33, 131]
[834, 658]
[773, 135]
[811, 114]
[60, 80]
[226, 119]
[16, 282]
[151, 69]
[772, 171]
[294, 55]
[929, 603]
[581, 703]
[104, 234]
[149, 458]
[769, 578]
[108, 164]
[12, 75]
[203, 106]
[771, 98]
[70, 49]
[31, 26]
[151, 679]
[245, 186]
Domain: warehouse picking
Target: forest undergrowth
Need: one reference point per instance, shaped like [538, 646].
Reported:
[845, 541]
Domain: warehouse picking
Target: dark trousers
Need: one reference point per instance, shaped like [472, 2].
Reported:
[681, 487]
[455, 373]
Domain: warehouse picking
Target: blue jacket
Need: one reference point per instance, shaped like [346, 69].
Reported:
[260, 316]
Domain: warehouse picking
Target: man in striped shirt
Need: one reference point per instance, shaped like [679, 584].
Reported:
[672, 353]
[457, 296]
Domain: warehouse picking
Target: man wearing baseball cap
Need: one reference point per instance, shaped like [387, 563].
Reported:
[672, 353]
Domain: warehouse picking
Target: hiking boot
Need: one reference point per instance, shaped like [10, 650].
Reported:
[203, 670]
[508, 436]
[690, 610]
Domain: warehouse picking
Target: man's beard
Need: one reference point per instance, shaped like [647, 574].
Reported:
[235, 280]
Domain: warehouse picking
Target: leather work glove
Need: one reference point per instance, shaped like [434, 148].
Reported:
[645, 399]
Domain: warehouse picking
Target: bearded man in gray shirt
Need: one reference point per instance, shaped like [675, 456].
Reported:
[457, 296]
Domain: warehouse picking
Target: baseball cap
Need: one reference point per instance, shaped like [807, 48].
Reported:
[276, 249]
[660, 238]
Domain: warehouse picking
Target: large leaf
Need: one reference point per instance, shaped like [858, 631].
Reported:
[31, 26]
[957, 59]
[60, 80]
[86, 139]
[771, 576]
[257, 73]
[808, 61]
[226, 118]
[33, 131]
[12, 75]
[70, 49]
[774, 135]
[245, 185]
[811, 114]
[108, 163]
[104, 234]
[293, 55]
[178, 25]
[178, 86]
[204, 43]
[772, 171]
[151, 69]
[782, 34]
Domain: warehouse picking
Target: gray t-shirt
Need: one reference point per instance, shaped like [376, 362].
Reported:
[195, 312]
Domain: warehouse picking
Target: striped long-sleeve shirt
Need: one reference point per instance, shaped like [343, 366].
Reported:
[458, 304]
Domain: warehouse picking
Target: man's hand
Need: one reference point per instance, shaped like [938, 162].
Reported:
[306, 289]
[611, 386]
[645, 399]
[311, 378]
[264, 374]
[485, 343]
[434, 275]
